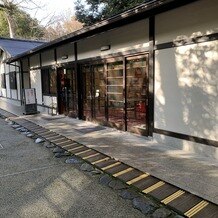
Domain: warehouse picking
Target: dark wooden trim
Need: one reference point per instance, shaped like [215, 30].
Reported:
[48, 66]
[118, 55]
[49, 95]
[106, 95]
[21, 81]
[16, 78]
[64, 65]
[56, 71]
[190, 41]
[28, 62]
[187, 137]
[40, 60]
[40, 65]
[45, 106]
[125, 94]
[151, 75]
[55, 55]
[79, 83]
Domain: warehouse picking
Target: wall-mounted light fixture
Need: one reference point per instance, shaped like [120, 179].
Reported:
[105, 47]
[64, 57]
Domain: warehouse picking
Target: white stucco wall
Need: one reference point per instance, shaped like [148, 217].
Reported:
[18, 85]
[35, 80]
[129, 37]
[8, 91]
[3, 93]
[34, 61]
[14, 93]
[50, 101]
[2, 70]
[198, 18]
[186, 90]
[25, 64]
[65, 50]
[48, 58]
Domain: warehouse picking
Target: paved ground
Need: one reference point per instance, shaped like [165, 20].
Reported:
[186, 170]
[35, 184]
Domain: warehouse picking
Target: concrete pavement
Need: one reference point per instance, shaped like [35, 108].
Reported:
[195, 173]
[35, 184]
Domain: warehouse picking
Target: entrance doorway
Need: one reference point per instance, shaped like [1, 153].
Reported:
[67, 92]
[116, 93]
[137, 94]
[93, 92]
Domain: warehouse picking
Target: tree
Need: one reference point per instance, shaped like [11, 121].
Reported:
[65, 25]
[16, 22]
[93, 11]
[7, 8]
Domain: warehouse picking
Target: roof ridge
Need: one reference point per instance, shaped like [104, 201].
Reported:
[23, 40]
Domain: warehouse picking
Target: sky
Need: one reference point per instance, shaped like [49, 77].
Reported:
[51, 7]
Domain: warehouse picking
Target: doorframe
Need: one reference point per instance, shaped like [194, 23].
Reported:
[149, 122]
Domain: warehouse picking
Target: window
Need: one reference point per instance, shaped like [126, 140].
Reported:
[3, 81]
[13, 80]
[49, 81]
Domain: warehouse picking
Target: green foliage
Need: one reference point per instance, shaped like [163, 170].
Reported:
[4, 30]
[93, 11]
[25, 26]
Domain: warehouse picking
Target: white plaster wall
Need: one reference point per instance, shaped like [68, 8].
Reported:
[7, 86]
[25, 64]
[186, 90]
[12, 67]
[194, 19]
[18, 85]
[129, 37]
[50, 100]
[34, 61]
[3, 93]
[14, 93]
[48, 58]
[35, 80]
[188, 147]
[2, 70]
[65, 50]
[7, 69]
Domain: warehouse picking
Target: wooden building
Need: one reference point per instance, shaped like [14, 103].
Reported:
[152, 70]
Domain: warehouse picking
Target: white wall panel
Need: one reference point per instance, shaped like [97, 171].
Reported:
[186, 90]
[18, 85]
[8, 86]
[50, 101]
[65, 50]
[129, 37]
[35, 80]
[34, 61]
[194, 19]
[48, 58]
[3, 92]
[14, 93]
